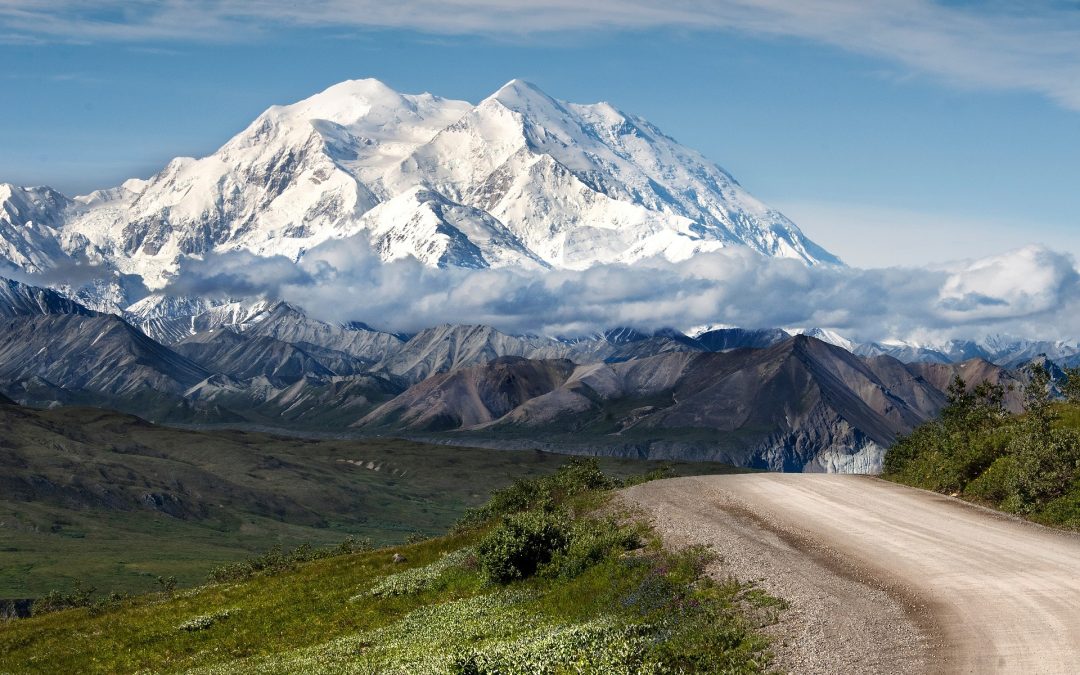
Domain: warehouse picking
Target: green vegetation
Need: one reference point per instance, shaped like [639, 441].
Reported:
[589, 591]
[117, 502]
[1026, 464]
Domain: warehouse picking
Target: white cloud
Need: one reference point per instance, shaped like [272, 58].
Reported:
[1031, 291]
[1033, 46]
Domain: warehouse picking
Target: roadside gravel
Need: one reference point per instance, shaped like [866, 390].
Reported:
[884, 578]
[840, 620]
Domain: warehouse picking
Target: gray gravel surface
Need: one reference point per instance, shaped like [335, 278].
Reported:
[883, 578]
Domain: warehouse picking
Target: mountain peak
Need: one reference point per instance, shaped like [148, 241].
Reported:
[524, 97]
[519, 86]
[520, 179]
[345, 102]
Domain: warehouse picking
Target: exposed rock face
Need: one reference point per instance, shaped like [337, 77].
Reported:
[800, 405]
[726, 339]
[100, 354]
[449, 347]
[18, 299]
[468, 397]
[244, 358]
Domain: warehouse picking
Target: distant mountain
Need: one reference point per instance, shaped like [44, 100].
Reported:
[55, 351]
[169, 319]
[520, 179]
[30, 224]
[287, 323]
[749, 397]
[245, 357]
[726, 339]
[1004, 351]
[99, 355]
[19, 299]
[449, 347]
[350, 348]
[909, 353]
[798, 405]
[828, 336]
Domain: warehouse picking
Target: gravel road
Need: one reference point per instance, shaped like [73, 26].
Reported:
[883, 578]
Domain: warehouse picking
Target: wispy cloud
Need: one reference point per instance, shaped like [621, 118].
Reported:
[1032, 46]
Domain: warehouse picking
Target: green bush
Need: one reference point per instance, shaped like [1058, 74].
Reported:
[578, 475]
[1045, 467]
[1064, 511]
[992, 485]
[590, 541]
[521, 544]
[1027, 464]
[1070, 388]
[55, 601]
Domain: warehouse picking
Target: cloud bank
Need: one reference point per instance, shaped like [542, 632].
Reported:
[1032, 292]
[1032, 46]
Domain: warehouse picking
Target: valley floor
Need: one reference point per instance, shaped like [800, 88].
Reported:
[882, 577]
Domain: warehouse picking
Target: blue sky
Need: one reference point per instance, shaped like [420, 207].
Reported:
[938, 132]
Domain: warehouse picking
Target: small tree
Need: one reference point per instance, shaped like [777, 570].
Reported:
[978, 408]
[167, 584]
[1037, 403]
[1071, 386]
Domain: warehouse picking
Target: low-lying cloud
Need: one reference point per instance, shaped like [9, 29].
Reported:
[1030, 292]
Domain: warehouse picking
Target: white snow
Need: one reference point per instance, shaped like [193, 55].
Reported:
[519, 179]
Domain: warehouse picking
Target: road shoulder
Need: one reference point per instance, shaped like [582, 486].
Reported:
[841, 618]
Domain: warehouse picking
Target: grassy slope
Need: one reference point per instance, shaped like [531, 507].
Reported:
[623, 609]
[983, 469]
[74, 481]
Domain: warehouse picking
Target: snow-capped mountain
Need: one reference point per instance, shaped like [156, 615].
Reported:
[30, 219]
[825, 335]
[518, 179]
[1006, 351]
[19, 299]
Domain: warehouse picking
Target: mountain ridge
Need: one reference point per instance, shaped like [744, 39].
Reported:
[519, 179]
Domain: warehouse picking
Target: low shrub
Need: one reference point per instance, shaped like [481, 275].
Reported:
[204, 621]
[56, 600]
[992, 486]
[521, 544]
[419, 579]
[275, 560]
[589, 541]
[578, 475]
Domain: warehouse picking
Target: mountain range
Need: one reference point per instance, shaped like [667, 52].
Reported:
[762, 398]
[519, 179]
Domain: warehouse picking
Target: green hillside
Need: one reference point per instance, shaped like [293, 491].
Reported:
[1025, 464]
[538, 581]
[116, 502]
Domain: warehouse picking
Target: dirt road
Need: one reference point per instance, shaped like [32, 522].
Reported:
[884, 578]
